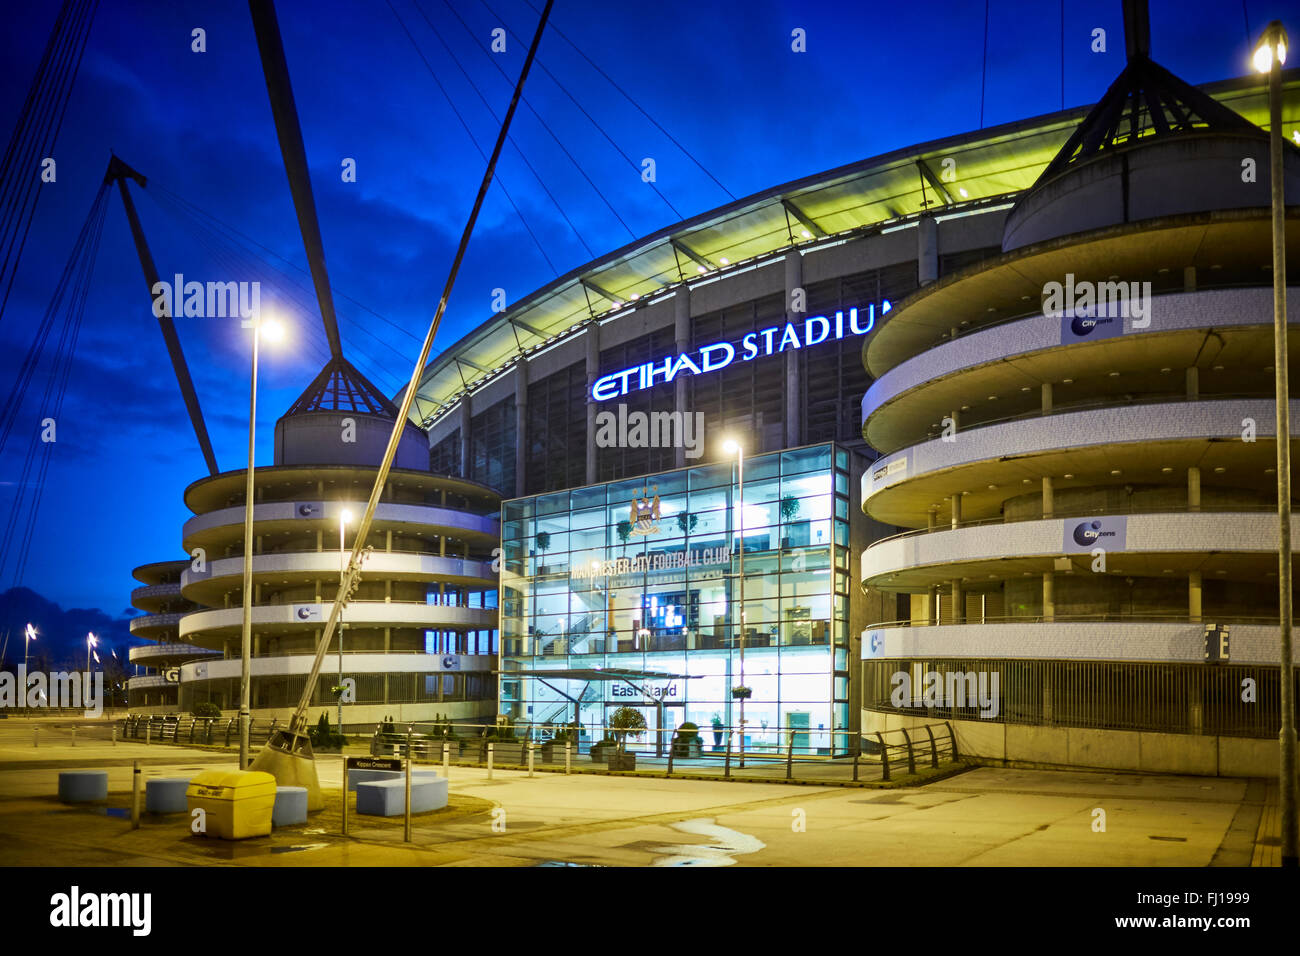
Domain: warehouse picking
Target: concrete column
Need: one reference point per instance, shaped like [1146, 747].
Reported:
[1193, 383]
[1193, 489]
[793, 386]
[1049, 596]
[593, 373]
[1189, 278]
[958, 602]
[927, 250]
[682, 333]
[1194, 596]
[956, 510]
[1049, 506]
[1047, 397]
[466, 447]
[930, 517]
[521, 426]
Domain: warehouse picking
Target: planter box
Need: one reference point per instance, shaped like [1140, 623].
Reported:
[503, 753]
[599, 753]
[618, 761]
[554, 753]
[688, 748]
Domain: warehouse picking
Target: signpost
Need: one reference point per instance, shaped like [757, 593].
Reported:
[368, 763]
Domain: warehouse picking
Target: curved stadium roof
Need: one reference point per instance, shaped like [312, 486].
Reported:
[994, 165]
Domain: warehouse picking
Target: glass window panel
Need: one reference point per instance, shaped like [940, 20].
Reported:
[588, 500]
[557, 503]
[805, 459]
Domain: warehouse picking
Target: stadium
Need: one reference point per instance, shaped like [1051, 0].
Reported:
[925, 457]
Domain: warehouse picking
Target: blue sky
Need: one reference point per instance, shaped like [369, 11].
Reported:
[721, 78]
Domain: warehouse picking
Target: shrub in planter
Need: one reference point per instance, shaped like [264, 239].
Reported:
[688, 742]
[741, 691]
[323, 736]
[205, 709]
[625, 722]
[601, 747]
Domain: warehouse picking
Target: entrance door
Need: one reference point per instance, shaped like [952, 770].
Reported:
[799, 721]
[642, 742]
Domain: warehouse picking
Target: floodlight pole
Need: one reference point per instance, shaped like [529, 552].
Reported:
[1287, 755]
[343, 567]
[246, 632]
[740, 471]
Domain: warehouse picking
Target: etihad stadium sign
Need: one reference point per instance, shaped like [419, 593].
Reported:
[718, 355]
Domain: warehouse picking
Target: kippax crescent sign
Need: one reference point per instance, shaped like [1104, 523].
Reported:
[718, 355]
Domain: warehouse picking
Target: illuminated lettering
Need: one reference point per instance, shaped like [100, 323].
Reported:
[718, 355]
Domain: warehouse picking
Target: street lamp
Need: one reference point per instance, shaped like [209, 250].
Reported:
[1269, 56]
[29, 635]
[344, 517]
[273, 332]
[733, 447]
[91, 641]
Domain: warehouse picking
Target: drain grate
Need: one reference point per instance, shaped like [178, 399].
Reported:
[1169, 839]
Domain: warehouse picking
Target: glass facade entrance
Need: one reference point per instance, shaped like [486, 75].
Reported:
[644, 575]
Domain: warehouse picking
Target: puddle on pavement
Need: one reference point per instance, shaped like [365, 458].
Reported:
[726, 846]
[564, 863]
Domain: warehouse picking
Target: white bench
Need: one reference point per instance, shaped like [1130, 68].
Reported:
[166, 794]
[387, 798]
[83, 786]
[290, 806]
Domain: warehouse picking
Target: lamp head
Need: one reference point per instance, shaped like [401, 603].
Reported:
[345, 516]
[1273, 39]
[731, 446]
[271, 330]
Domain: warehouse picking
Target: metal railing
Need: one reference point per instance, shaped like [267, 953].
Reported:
[1154, 617]
[188, 730]
[1066, 514]
[791, 753]
[1173, 396]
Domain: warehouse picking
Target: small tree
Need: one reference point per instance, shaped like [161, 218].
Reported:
[625, 721]
[789, 507]
[687, 522]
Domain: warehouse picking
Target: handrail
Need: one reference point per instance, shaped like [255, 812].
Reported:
[1156, 398]
[943, 526]
[1158, 618]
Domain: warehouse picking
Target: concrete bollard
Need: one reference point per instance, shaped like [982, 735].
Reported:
[135, 794]
[36, 735]
[147, 731]
[446, 760]
[115, 735]
[530, 758]
[489, 762]
[568, 757]
[74, 736]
